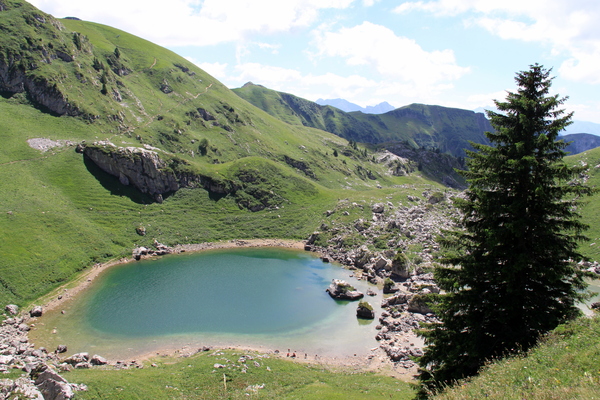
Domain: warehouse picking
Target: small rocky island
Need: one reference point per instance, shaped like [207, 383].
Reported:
[342, 290]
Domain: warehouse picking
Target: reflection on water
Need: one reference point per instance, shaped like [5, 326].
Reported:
[255, 297]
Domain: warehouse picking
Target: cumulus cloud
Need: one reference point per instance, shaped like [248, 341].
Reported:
[195, 22]
[354, 88]
[217, 69]
[568, 27]
[393, 56]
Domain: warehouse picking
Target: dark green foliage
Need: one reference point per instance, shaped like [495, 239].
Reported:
[77, 40]
[509, 276]
[203, 146]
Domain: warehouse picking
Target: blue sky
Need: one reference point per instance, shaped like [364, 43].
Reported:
[454, 53]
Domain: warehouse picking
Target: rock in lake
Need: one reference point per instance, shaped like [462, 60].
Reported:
[342, 290]
[365, 310]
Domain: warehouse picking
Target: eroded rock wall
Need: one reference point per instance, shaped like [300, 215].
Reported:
[140, 167]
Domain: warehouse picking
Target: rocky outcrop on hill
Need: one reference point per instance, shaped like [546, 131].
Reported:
[19, 64]
[410, 231]
[146, 170]
[41, 91]
[140, 167]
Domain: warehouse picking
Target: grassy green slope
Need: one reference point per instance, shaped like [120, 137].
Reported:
[197, 378]
[590, 212]
[60, 214]
[566, 365]
[298, 111]
[436, 127]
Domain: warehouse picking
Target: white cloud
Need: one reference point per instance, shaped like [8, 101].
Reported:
[392, 56]
[568, 27]
[195, 22]
[218, 70]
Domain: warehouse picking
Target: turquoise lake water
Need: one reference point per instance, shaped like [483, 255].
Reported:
[256, 297]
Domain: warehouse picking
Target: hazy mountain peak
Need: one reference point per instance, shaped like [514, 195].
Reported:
[347, 106]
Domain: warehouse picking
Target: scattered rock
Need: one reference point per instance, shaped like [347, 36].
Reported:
[36, 311]
[378, 208]
[12, 309]
[98, 360]
[77, 358]
[418, 304]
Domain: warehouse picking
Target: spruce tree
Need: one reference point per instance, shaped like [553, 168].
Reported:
[508, 272]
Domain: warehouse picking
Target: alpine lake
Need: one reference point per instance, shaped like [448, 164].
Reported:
[261, 298]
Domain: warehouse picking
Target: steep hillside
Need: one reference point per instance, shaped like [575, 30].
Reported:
[443, 129]
[298, 111]
[591, 209]
[109, 141]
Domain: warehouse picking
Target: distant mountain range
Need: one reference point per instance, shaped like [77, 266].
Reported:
[346, 106]
[436, 128]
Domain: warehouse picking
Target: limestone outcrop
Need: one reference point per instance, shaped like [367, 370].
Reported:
[142, 168]
[147, 171]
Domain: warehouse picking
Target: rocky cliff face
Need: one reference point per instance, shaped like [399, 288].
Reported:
[41, 92]
[144, 169]
[35, 40]
[140, 167]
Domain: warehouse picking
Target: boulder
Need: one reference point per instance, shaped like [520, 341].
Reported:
[138, 252]
[312, 238]
[381, 263]
[36, 311]
[98, 360]
[342, 290]
[61, 348]
[6, 360]
[55, 390]
[399, 298]
[389, 286]
[77, 358]
[417, 304]
[399, 266]
[365, 310]
[378, 208]
[12, 309]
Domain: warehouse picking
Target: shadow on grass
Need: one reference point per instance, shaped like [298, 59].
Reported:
[112, 184]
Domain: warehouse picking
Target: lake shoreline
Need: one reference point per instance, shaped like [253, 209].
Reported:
[375, 361]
